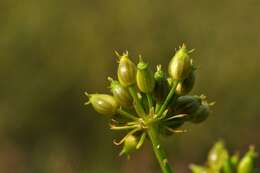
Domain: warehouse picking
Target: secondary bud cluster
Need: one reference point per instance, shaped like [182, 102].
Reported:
[220, 161]
[142, 98]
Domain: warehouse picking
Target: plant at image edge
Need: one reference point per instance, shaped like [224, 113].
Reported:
[149, 105]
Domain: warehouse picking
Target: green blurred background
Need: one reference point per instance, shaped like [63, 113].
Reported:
[51, 51]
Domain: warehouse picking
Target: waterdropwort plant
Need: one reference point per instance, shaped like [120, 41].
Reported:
[147, 104]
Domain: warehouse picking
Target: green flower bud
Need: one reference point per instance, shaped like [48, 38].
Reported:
[234, 160]
[247, 163]
[202, 113]
[217, 156]
[187, 105]
[103, 103]
[199, 169]
[180, 65]
[186, 85]
[144, 77]
[120, 93]
[129, 145]
[161, 88]
[228, 167]
[126, 71]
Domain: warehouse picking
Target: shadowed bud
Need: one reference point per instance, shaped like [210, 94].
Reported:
[180, 65]
[186, 85]
[202, 113]
[120, 93]
[247, 163]
[126, 71]
[129, 145]
[217, 156]
[187, 105]
[161, 88]
[144, 77]
[103, 103]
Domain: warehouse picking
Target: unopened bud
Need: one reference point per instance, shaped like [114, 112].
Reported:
[129, 145]
[247, 163]
[202, 113]
[186, 85]
[161, 85]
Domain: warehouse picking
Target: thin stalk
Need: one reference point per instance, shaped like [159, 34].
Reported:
[168, 99]
[158, 150]
[138, 106]
[126, 114]
[150, 100]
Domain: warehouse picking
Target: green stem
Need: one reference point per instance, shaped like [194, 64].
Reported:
[168, 99]
[126, 114]
[150, 100]
[158, 150]
[138, 107]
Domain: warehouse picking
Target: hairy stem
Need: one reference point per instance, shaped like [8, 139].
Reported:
[158, 150]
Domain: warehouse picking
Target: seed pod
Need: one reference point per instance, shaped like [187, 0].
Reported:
[126, 71]
[103, 103]
[186, 85]
[120, 93]
[161, 88]
[180, 65]
[144, 77]
[227, 166]
[129, 145]
[201, 114]
[217, 156]
[187, 104]
[247, 163]
[199, 169]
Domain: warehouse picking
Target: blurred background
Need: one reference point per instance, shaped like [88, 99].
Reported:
[51, 51]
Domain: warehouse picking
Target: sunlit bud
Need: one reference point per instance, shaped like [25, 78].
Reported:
[129, 145]
[186, 85]
[126, 71]
[103, 103]
[247, 163]
[181, 64]
[120, 93]
[161, 85]
[144, 77]
[217, 156]
[199, 169]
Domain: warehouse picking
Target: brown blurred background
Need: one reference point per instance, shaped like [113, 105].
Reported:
[51, 51]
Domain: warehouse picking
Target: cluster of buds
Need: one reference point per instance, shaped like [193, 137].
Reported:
[142, 99]
[219, 161]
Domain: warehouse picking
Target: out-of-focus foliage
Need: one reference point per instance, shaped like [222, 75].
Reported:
[51, 51]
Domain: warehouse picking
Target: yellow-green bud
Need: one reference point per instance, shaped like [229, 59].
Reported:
[217, 156]
[120, 93]
[247, 163]
[199, 169]
[186, 85]
[180, 65]
[161, 88]
[129, 145]
[103, 103]
[144, 77]
[126, 71]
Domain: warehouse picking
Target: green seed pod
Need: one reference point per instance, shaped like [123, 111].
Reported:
[247, 163]
[217, 156]
[199, 169]
[120, 93]
[126, 71]
[201, 114]
[161, 88]
[234, 160]
[227, 167]
[144, 77]
[180, 65]
[103, 103]
[129, 145]
[186, 85]
[187, 105]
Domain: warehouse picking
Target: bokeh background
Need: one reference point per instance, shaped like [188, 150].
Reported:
[51, 51]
